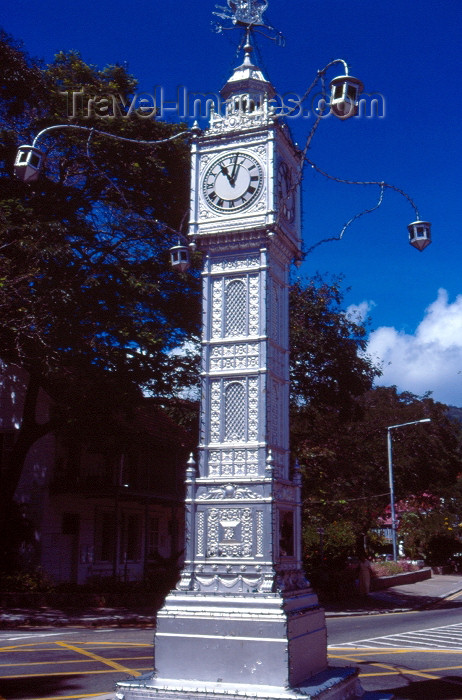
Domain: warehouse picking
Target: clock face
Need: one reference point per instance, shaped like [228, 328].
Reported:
[286, 192]
[233, 182]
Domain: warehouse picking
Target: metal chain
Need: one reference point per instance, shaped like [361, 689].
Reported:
[105, 133]
[365, 182]
[349, 222]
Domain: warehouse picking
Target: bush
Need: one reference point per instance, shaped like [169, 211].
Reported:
[97, 592]
[327, 566]
[26, 582]
[390, 568]
[441, 548]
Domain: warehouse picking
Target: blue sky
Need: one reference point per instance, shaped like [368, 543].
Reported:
[407, 51]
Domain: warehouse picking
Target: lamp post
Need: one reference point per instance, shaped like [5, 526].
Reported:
[390, 478]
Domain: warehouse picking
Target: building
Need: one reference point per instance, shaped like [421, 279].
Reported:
[98, 509]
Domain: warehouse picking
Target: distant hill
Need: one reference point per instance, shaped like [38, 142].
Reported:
[455, 413]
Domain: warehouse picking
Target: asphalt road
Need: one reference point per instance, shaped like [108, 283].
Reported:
[71, 663]
[413, 654]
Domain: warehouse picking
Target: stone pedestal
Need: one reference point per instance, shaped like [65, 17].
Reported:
[229, 639]
[331, 684]
[229, 646]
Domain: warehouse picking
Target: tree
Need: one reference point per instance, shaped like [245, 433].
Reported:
[339, 421]
[430, 527]
[346, 468]
[90, 307]
[329, 375]
[328, 369]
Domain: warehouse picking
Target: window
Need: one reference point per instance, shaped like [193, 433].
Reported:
[130, 540]
[153, 536]
[70, 524]
[105, 536]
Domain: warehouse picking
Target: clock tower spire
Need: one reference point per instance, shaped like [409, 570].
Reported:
[247, 79]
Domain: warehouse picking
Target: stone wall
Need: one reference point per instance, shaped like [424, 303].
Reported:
[377, 584]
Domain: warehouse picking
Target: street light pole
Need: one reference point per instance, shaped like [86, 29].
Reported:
[390, 479]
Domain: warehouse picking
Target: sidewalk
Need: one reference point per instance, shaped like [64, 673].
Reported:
[414, 596]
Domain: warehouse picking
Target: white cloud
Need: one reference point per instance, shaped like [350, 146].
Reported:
[429, 360]
[359, 312]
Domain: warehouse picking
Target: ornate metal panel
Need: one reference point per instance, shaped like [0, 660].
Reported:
[235, 428]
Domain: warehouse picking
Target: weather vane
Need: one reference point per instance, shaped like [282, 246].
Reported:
[246, 14]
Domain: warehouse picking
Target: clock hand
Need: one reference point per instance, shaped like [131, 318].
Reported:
[224, 170]
[234, 171]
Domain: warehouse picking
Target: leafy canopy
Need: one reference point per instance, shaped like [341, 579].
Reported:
[90, 306]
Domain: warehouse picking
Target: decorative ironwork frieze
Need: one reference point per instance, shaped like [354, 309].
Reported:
[229, 532]
[234, 356]
[232, 462]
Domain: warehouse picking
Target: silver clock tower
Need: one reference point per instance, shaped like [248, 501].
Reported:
[244, 529]
[243, 621]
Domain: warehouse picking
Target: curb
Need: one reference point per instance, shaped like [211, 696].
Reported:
[29, 620]
[381, 611]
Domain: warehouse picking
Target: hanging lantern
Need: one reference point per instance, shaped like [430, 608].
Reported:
[28, 163]
[179, 257]
[420, 234]
[345, 91]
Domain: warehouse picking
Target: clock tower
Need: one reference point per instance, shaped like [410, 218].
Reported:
[243, 620]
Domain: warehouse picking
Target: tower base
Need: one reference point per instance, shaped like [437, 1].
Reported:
[272, 639]
[331, 684]
[256, 646]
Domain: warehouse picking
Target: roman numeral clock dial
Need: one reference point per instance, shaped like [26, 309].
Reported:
[233, 182]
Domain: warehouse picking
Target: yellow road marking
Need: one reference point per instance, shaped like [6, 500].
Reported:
[69, 697]
[51, 645]
[397, 670]
[96, 657]
[350, 659]
[444, 668]
[75, 661]
[79, 673]
[454, 596]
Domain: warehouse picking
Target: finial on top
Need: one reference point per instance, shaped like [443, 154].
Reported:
[247, 14]
[243, 12]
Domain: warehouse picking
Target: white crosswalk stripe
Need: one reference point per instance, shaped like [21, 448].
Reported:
[447, 637]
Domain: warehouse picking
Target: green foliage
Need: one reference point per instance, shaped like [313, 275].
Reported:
[90, 306]
[433, 535]
[345, 463]
[84, 259]
[339, 431]
[327, 371]
[97, 592]
[332, 548]
[390, 568]
[326, 558]
[35, 581]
